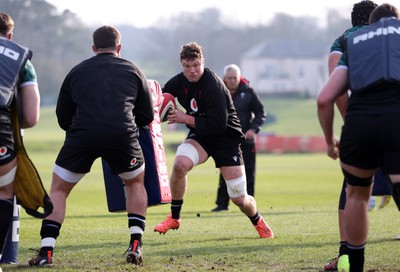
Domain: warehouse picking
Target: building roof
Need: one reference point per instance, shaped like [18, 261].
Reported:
[288, 49]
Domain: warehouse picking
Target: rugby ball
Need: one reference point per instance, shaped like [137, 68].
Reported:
[168, 104]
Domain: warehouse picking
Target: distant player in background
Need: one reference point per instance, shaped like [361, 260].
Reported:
[214, 131]
[251, 113]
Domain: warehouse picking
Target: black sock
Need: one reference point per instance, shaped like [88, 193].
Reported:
[135, 220]
[49, 229]
[44, 251]
[254, 219]
[343, 248]
[356, 257]
[6, 211]
[176, 206]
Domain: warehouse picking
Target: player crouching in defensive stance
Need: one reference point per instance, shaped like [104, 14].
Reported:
[101, 103]
[214, 131]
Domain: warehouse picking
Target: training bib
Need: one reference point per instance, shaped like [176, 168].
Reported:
[374, 55]
[12, 59]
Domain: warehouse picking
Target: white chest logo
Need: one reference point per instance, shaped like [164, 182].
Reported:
[193, 105]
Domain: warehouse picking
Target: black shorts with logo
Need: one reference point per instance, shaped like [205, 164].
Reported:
[224, 150]
[7, 146]
[80, 159]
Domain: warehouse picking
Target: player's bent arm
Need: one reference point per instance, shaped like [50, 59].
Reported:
[341, 101]
[333, 60]
[30, 98]
[334, 87]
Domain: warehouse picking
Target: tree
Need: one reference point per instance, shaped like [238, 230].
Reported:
[61, 40]
[58, 41]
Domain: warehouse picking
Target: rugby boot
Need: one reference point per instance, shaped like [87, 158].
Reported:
[42, 259]
[343, 264]
[332, 265]
[263, 229]
[167, 224]
[135, 253]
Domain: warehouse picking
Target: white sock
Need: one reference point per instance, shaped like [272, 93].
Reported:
[135, 230]
[48, 242]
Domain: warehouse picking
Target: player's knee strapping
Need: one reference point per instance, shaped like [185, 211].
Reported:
[236, 187]
[357, 181]
[189, 151]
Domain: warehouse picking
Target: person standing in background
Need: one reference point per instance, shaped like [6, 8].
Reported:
[251, 113]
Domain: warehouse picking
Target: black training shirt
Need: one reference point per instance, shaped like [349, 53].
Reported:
[209, 101]
[102, 101]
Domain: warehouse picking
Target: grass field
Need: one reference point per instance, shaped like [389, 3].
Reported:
[296, 193]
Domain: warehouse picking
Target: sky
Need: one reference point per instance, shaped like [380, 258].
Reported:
[149, 12]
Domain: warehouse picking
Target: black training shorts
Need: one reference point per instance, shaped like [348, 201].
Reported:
[80, 159]
[224, 150]
[368, 142]
[7, 146]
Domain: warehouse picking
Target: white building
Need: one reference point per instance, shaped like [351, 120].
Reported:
[286, 67]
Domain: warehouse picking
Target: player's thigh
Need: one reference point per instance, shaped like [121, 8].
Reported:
[198, 149]
[233, 172]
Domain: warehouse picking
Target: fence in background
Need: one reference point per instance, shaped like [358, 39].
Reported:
[290, 144]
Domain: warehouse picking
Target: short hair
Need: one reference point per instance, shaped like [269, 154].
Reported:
[6, 24]
[230, 68]
[361, 12]
[106, 37]
[191, 51]
[384, 10]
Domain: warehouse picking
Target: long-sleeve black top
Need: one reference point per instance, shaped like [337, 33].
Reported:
[209, 101]
[249, 107]
[102, 101]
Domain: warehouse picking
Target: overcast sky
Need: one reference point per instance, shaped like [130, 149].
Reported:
[148, 12]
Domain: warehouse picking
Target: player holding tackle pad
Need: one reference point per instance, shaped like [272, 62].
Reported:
[156, 178]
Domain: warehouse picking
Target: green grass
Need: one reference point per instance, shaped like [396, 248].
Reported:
[294, 117]
[297, 194]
